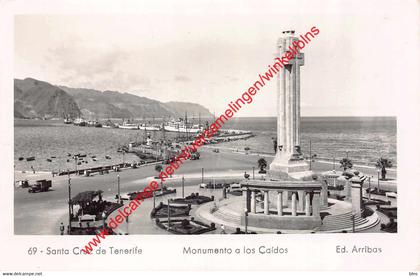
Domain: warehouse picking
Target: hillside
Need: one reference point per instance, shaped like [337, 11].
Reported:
[113, 104]
[39, 99]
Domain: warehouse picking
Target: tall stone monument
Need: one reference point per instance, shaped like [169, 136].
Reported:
[289, 162]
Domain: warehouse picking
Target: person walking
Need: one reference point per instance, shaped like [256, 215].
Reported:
[62, 229]
[223, 229]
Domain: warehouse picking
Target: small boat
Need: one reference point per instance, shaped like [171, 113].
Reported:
[128, 126]
[32, 158]
[107, 157]
[149, 127]
[49, 160]
[94, 159]
[21, 158]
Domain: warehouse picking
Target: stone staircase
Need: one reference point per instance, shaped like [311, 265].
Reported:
[331, 223]
[337, 223]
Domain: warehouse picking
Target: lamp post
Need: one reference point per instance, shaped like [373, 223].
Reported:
[310, 155]
[353, 215]
[202, 175]
[119, 195]
[103, 219]
[154, 200]
[253, 173]
[369, 189]
[169, 216]
[333, 163]
[123, 153]
[378, 181]
[70, 213]
[246, 220]
[183, 186]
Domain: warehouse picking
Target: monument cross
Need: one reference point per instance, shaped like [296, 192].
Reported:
[289, 158]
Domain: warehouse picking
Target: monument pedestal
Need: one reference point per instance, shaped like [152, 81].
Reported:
[286, 167]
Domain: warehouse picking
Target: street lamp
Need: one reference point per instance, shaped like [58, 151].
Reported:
[70, 213]
[123, 153]
[310, 155]
[183, 180]
[77, 160]
[119, 195]
[379, 171]
[353, 215]
[103, 219]
[369, 189]
[169, 216]
[246, 220]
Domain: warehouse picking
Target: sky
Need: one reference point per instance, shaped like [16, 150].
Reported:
[211, 54]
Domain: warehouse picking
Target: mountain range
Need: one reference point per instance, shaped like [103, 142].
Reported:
[40, 99]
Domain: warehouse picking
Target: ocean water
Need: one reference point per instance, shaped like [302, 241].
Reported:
[364, 139]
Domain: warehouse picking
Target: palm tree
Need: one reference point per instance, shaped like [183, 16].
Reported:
[262, 164]
[346, 163]
[382, 164]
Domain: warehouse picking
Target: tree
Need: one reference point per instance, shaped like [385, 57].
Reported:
[346, 163]
[382, 164]
[262, 164]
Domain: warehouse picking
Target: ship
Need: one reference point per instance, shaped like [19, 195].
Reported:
[128, 125]
[67, 121]
[79, 122]
[149, 127]
[94, 123]
[109, 124]
[181, 126]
